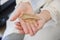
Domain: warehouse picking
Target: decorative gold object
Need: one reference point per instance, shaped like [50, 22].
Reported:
[30, 17]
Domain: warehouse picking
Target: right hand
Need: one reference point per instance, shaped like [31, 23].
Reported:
[24, 7]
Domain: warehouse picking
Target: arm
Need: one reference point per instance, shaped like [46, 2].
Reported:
[51, 11]
[45, 16]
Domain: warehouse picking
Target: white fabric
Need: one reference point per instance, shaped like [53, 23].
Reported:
[18, 1]
[10, 28]
[51, 29]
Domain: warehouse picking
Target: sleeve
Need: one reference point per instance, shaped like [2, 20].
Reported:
[54, 9]
[10, 28]
[18, 1]
[34, 3]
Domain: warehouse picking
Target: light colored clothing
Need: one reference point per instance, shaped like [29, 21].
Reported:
[51, 29]
[14, 36]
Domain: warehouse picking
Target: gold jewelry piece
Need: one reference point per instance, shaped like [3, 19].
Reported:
[29, 17]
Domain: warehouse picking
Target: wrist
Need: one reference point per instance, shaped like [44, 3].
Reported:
[43, 20]
[45, 16]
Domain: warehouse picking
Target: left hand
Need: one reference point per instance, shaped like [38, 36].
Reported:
[29, 27]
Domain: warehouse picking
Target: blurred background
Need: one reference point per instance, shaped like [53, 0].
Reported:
[6, 8]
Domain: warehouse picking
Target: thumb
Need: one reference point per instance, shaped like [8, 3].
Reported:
[15, 15]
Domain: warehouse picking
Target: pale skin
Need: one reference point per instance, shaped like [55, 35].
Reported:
[27, 27]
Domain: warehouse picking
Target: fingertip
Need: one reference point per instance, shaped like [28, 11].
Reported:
[11, 19]
[26, 32]
[21, 32]
[31, 34]
[18, 23]
[24, 26]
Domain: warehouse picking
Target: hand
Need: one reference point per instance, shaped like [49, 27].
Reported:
[29, 27]
[21, 8]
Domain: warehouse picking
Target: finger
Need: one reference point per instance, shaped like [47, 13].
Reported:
[29, 28]
[18, 25]
[39, 25]
[23, 24]
[33, 28]
[35, 23]
[20, 29]
[15, 14]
